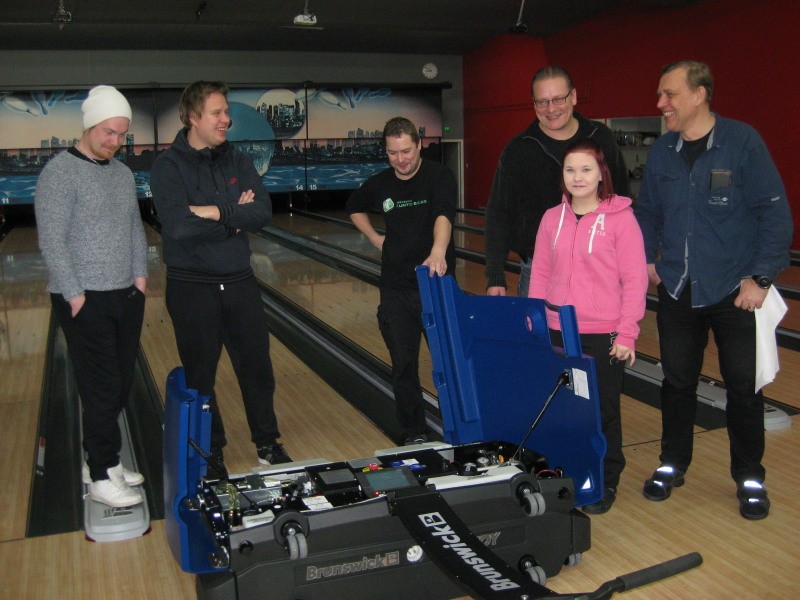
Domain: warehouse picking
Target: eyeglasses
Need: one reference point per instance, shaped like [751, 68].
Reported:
[557, 101]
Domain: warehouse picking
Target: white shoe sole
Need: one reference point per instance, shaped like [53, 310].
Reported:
[117, 503]
[131, 478]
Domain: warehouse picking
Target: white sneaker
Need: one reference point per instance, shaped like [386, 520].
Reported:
[114, 491]
[131, 477]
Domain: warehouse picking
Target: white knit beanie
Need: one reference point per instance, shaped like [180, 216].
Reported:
[104, 102]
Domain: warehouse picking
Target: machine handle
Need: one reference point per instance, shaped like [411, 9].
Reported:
[661, 570]
[642, 577]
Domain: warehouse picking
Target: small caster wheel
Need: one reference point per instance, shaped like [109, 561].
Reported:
[534, 504]
[293, 547]
[573, 560]
[537, 574]
[297, 544]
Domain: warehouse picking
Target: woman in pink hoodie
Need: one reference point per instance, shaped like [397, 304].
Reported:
[589, 253]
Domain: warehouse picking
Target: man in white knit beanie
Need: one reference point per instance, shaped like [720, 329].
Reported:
[92, 240]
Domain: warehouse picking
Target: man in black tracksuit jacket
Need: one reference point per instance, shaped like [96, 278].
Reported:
[208, 195]
[528, 177]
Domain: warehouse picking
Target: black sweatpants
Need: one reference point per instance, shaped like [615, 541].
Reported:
[102, 340]
[207, 316]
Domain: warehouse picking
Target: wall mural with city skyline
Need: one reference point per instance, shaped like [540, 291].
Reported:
[302, 139]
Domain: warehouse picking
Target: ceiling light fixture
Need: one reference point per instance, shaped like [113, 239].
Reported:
[305, 18]
[519, 26]
[62, 15]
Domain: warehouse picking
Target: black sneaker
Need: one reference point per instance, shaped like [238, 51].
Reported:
[216, 466]
[273, 454]
[603, 505]
[419, 438]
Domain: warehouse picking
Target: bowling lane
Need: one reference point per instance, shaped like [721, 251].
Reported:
[314, 420]
[24, 322]
[349, 305]
[341, 301]
[470, 275]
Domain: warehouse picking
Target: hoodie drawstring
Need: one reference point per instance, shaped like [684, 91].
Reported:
[599, 220]
[560, 223]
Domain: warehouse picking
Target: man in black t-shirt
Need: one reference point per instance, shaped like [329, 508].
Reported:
[418, 202]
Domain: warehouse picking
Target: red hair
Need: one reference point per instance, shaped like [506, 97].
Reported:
[605, 188]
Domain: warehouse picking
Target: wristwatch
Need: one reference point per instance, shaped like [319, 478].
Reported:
[762, 281]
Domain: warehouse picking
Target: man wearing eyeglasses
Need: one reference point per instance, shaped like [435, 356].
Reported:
[528, 177]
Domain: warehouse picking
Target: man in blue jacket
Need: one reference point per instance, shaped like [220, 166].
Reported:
[717, 229]
[208, 195]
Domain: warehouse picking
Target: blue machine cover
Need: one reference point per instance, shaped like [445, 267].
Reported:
[494, 368]
[189, 539]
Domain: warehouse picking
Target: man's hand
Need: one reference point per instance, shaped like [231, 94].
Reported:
[363, 224]
[436, 263]
[750, 295]
[141, 284]
[497, 290]
[206, 212]
[377, 240]
[77, 303]
[247, 197]
[652, 275]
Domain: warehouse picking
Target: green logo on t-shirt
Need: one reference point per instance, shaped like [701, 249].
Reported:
[388, 205]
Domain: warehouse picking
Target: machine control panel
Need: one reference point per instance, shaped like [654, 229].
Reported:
[258, 499]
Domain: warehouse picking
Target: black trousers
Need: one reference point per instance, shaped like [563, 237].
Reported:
[102, 341]
[610, 374]
[683, 334]
[208, 316]
[400, 323]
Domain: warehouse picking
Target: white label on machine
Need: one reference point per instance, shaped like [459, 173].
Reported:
[581, 383]
[493, 474]
[259, 519]
[317, 503]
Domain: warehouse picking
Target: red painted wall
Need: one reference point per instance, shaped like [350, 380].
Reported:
[752, 47]
[497, 106]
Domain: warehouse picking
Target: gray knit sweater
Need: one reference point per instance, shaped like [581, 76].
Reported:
[90, 229]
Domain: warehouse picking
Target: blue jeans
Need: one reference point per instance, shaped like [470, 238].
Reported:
[683, 333]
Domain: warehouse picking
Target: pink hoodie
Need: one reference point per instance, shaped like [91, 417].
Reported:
[596, 264]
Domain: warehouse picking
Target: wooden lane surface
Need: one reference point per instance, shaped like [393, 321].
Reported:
[783, 389]
[471, 278]
[24, 320]
[341, 301]
[67, 566]
[789, 277]
[742, 558]
[313, 419]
